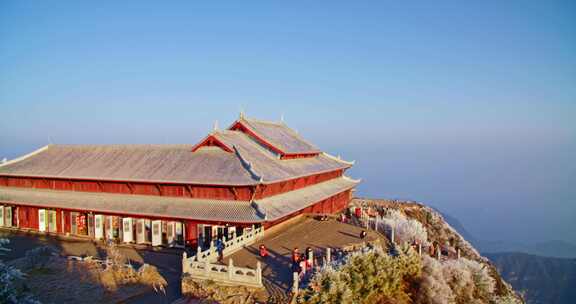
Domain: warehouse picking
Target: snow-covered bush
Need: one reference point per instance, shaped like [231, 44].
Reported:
[365, 277]
[433, 287]
[12, 289]
[405, 229]
[509, 299]
[483, 282]
[149, 275]
[38, 257]
[454, 281]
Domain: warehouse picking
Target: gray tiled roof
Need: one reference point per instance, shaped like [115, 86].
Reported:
[169, 163]
[265, 164]
[280, 136]
[160, 163]
[280, 205]
[143, 205]
[269, 208]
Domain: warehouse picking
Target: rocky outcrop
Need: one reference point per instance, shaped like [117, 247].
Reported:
[441, 235]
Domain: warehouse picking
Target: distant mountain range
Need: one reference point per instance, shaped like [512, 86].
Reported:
[541, 280]
[553, 248]
[545, 273]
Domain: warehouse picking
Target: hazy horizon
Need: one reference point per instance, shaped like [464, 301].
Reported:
[468, 108]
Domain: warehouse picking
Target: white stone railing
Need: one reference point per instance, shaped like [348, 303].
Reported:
[232, 245]
[228, 274]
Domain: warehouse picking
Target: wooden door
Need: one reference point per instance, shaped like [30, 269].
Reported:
[128, 233]
[74, 222]
[42, 220]
[170, 234]
[179, 233]
[147, 231]
[140, 231]
[156, 233]
[98, 226]
[52, 221]
[8, 216]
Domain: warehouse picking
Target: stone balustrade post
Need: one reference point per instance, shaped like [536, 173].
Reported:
[198, 252]
[328, 255]
[230, 269]
[420, 249]
[311, 257]
[212, 247]
[295, 283]
[392, 236]
[206, 269]
[259, 273]
[185, 263]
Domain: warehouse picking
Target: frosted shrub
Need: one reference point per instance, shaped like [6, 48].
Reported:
[482, 280]
[459, 278]
[454, 281]
[433, 287]
[365, 277]
[12, 282]
[39, 257]
[149, 275]
[328, 286]
[405, 229]
[509, 299]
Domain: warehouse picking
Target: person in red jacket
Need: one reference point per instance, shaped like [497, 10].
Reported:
[295, 255]
[263, 251]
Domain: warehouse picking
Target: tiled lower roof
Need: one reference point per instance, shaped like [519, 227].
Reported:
[277, 206]
[143, 205]
[267, 209]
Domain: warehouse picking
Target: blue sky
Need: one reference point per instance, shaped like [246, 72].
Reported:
[469, 107]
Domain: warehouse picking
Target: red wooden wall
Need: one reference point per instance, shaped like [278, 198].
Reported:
[28, 217]
[332, 204]
[166, 189]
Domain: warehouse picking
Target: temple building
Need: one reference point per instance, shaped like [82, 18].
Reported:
[253, 173]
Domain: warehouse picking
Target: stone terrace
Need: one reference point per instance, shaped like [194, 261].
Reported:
[301, 232]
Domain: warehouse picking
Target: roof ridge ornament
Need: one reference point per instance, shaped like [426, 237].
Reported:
[25, 156]
[351, 179]
[338, 159]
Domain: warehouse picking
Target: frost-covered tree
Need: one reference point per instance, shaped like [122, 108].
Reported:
[433, 286]
[405, 229]
[454, 281]
[509, 299]
[370, 276]
[11, 282]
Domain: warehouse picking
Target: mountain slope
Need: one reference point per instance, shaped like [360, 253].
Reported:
[397, 274]
[542, 280]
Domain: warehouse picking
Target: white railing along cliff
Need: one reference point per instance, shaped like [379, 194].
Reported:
[232, 245]
[201, 266]
[228, 274]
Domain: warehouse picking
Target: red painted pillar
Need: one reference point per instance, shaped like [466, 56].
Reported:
[191, 234]
[67, 226]
[59, 221]
[33, 218]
